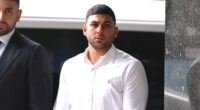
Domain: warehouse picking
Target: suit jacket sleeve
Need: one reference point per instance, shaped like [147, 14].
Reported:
[40, 80]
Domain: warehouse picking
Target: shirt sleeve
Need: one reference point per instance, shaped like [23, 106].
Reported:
[62, 100]
[135, 88]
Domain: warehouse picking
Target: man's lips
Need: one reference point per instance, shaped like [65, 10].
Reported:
[2, 24]
[99, 39]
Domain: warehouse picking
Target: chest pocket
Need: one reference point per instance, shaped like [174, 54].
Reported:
[116, 84]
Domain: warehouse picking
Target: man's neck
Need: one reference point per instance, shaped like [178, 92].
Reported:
[94, 54]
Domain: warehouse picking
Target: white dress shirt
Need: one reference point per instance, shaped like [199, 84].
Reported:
[116, 82]
[4, 41]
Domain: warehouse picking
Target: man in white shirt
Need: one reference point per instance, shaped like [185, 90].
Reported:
[103, 77]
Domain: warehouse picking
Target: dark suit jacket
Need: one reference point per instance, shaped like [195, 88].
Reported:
[25, 76]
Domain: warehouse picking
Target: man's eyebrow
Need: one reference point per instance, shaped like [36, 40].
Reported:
[94, 22]
[108, 21]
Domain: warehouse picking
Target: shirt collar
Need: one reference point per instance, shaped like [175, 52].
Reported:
[5, 38]
[109, 56]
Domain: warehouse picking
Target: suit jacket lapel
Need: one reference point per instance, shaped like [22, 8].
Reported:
[10, 54]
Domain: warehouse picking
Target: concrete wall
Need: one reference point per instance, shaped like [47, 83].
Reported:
[182, 48]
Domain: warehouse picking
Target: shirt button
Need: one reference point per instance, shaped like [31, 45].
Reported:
[93, 69]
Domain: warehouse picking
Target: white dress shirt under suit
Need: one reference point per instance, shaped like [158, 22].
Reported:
[4, 41]
[116, 82]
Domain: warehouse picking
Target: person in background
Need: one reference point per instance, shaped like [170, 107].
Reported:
[25, 66]
[103, 77]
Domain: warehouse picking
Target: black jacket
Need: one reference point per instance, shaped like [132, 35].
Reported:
[25, 76]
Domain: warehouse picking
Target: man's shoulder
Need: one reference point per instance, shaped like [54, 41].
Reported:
[124, 56]
[23, 42]
[26, 40]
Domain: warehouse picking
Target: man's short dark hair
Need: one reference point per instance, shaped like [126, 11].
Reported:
[101, 9]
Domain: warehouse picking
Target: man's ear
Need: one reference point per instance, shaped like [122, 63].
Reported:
[84, 29]
[19, 14]
[116, 32]
[84, 33]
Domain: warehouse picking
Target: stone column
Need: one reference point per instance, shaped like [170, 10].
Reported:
[182, 49]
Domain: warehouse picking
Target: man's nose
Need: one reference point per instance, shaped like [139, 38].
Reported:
[100, 28]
